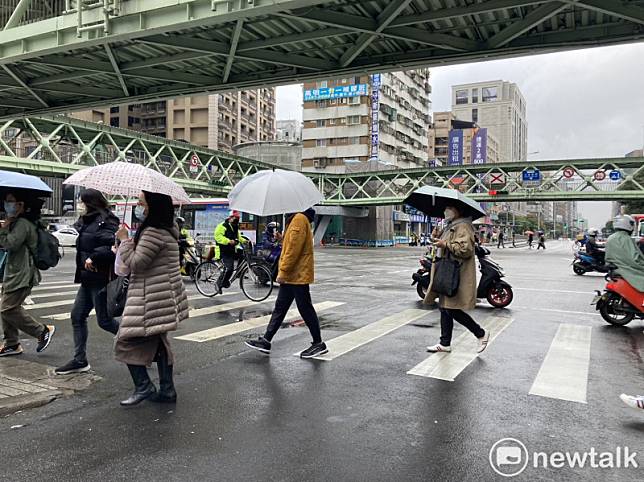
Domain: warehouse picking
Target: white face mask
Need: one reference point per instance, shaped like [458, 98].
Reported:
[449, 214]
[81, 208]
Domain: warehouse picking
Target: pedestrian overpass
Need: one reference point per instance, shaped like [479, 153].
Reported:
[64, 55]
[59, 146]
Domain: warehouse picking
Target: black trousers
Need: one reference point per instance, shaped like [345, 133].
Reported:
[541, 245]
[302, 296]
[229, 266]
[500, 243]
[447, 324]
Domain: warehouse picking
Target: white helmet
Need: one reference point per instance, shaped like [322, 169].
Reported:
[593, 232]
[625, 223]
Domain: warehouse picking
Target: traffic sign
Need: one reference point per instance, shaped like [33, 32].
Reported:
[615, 175]
[599, 175]
[531, 176]
[194, 163]
[497, 178]
[568, 172]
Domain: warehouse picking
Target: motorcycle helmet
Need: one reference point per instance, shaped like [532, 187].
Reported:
[273, 225]
[593, 232]
[181, 220]
[625, 223]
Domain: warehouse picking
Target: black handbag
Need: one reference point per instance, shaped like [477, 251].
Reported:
[447, 276]
[117, 295]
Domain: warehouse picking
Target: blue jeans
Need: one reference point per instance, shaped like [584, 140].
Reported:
[89, 297]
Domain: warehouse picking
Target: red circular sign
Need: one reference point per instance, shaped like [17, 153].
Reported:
[599, 175]
[568, 172]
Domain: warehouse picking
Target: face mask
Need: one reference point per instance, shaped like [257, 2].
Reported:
[235, 221]
[82, 209]
[10, 208]
[449, 214]
[139, 212]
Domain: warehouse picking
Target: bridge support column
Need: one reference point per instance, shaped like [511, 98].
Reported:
[320, 229]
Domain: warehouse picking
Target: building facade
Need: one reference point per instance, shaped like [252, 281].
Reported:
[280, 153]
[379, 117]
[500, 107]
[288, 131]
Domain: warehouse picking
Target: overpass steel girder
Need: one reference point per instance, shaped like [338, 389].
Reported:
[107, 52]
[59, 146]
[580, 179]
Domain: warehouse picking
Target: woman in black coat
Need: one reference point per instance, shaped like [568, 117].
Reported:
[94, 264]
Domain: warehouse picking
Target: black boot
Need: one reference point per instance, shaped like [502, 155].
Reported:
[166, 393]
[143, 386]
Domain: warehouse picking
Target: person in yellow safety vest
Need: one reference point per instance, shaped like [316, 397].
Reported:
[228, 239]
[185, 240]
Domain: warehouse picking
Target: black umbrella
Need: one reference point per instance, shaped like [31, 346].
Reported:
[433, 201]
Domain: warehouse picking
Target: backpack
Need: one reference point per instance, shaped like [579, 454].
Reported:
[47, 253]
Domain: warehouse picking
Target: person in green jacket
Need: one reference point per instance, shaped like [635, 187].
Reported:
[228, 239]
[18, 236]
[623, 252]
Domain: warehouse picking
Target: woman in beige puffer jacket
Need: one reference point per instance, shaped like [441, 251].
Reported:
[156, 299]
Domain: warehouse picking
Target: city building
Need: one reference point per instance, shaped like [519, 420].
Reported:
[501, 108]
[471, 138]
[281, 153]
[288, 130]
[381, 117]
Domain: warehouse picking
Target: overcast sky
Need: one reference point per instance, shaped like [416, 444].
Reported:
[581, 104]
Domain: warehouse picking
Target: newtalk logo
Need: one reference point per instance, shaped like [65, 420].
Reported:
[509, 457]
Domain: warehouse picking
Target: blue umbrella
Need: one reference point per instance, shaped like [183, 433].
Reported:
[10, 181]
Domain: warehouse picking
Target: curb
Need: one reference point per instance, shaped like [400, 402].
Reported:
[32, 400]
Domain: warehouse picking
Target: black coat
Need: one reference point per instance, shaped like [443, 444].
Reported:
[95, 240]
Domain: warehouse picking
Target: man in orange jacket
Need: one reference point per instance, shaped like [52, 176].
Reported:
[296, 273]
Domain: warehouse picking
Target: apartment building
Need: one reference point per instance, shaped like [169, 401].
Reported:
[353, 120]
[288, 130]
[501, 108]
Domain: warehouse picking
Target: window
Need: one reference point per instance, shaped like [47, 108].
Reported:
[461, 97]
[354, 100]
[114, 122]
[331, 122]
[322, 104]
[354, 140]
[489, 94]
[114, 110]
[320, 123]
[475, 96]
[353, 119]
[475, 115]
[320, 143]
[322, 85]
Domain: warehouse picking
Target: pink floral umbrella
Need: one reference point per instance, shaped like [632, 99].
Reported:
[127, 179]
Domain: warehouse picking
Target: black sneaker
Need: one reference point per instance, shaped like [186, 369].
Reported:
[45, 339]
[314, 350]
[73, 367]
[10, 350]
[261, 344]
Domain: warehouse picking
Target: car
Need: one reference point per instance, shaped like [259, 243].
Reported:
[53, 227]
[66, 236]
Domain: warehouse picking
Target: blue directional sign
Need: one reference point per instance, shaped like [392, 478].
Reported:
[615, 175]
[531, 175]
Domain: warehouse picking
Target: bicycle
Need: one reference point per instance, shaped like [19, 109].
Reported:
[254, 276]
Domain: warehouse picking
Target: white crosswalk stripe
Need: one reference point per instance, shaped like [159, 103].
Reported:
[564, 371]
[366, 334]
[241, 326]
[447, 366]
[52, 288]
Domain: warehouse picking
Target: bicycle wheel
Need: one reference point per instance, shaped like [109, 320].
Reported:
[206, 277]
[255, 282]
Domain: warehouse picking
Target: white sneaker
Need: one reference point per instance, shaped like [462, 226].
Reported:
[633, 402]
[483, 342]
[439, 348]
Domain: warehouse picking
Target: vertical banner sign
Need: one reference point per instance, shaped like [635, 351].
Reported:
[479, 146]
[375, 108]
[455, 154]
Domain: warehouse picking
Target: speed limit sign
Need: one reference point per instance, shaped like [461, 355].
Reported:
[599, 175]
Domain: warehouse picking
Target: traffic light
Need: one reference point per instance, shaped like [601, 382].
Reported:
[493, 192]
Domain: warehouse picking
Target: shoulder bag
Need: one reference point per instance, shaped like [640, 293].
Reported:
[447, 276]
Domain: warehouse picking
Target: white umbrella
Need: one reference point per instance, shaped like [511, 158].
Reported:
[266, 193]
[127, 179]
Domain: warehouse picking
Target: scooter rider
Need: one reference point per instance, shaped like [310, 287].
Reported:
[592, 247]
[623, 252]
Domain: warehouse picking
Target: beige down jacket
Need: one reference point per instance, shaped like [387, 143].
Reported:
[156, 298]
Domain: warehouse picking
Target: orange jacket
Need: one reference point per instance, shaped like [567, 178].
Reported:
[296, 261]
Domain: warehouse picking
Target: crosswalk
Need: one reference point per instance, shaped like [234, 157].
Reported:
[563, 372]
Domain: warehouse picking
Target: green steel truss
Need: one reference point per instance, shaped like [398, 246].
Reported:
[59, 146]
[61, 55]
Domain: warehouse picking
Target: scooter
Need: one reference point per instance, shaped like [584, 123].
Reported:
[191, 256]
[584, 263]
[421, 277]
[620, 303]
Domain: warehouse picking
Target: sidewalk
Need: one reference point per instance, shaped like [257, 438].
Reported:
[25, 384]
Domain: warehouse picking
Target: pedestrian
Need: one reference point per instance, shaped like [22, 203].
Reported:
[228, 238]
[156, 298]
[636, 401]
[514, 239]
[489, 237]
[542, 241]
[296, 273]
[457, 240]
[530, 239]
[501, 244]
[19, 237]
[96, 227]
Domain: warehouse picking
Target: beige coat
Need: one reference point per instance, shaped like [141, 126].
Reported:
[156, 299]
[460, 243]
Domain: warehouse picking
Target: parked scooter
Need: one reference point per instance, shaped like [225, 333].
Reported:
[584, 263]
[191, 256]
[620, 303]
[491, 287]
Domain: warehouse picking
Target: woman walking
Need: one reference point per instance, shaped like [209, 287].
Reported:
[94, 264]
[457, 240]
[156, 300]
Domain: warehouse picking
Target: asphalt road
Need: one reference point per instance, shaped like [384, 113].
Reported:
[359, 416]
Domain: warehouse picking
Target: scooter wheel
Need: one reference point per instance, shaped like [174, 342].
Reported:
[612, 312]
[500, 296]
[421, 290]
[578, 269]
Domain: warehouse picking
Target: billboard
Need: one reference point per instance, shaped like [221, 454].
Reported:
[338, 92]
[479, 146]
[455, 150]
[375, 108]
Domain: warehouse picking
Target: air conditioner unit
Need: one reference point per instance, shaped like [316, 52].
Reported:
[316, 163]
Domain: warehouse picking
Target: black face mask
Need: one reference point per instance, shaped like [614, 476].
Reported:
[234, 222]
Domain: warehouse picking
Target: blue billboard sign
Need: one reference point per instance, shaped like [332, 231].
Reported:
[375, 108]
[338, 92]
[455, 149]
[479, 146]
